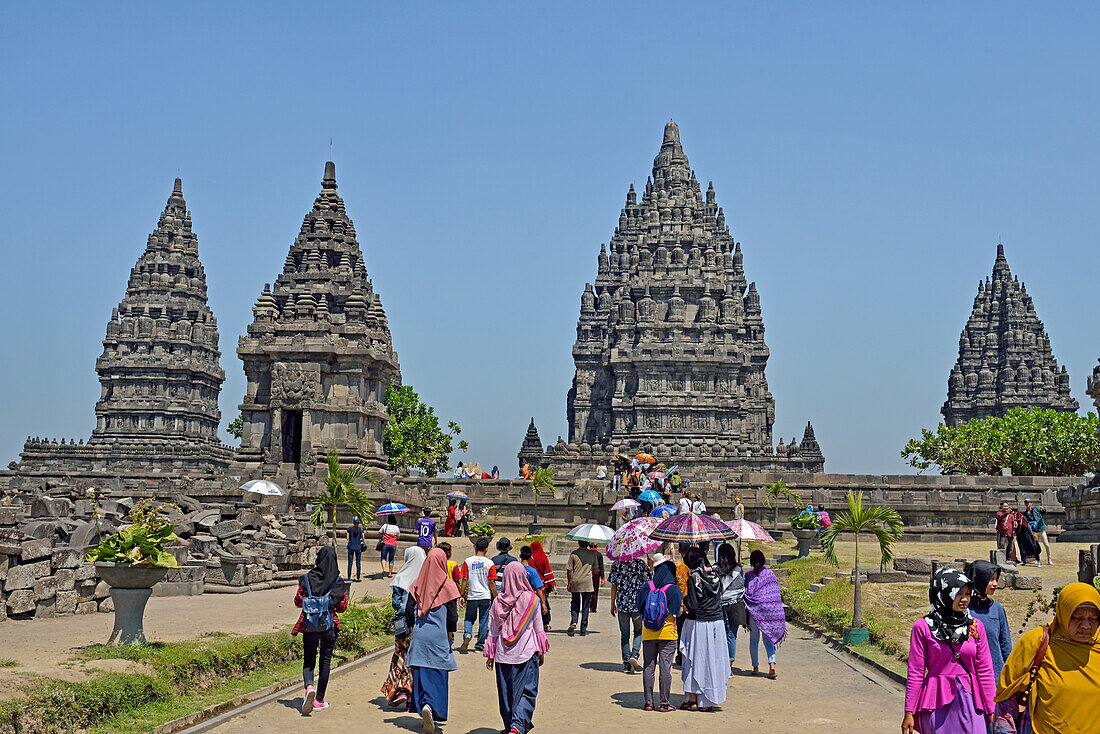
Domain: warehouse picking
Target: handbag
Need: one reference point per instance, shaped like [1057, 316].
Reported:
[380, 544]
[1013, 715]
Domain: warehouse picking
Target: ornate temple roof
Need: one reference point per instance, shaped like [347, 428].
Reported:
[1005, 359]
[159, 368]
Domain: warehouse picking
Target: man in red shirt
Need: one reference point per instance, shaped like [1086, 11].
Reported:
[1006, 531]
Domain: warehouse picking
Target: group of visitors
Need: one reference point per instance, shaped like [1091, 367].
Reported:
[1025, 529]
[966, 676]
[639, 476]
[473, 471]
[457, 523]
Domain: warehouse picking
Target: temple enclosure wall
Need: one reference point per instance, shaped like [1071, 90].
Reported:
[934, 508]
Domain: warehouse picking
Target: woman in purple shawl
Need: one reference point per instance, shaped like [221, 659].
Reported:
[765, 608]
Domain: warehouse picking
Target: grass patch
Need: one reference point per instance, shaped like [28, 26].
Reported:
[179, 677]
[8, 663]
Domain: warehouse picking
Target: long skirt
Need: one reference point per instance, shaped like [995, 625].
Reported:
[398, 684]
[706, 670]
[1029, 547]
[517, 689]
[960, 716]
[430, 688]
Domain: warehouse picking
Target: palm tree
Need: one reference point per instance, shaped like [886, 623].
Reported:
[543, 480]
[882, 522]
[775, 493]
[340, 490]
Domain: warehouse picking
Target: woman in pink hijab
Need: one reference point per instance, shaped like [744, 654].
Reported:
[432, 615]
[516, 645]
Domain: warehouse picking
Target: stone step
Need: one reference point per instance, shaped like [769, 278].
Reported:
[814, 588]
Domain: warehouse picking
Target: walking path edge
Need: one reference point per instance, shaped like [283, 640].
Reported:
[835, 644]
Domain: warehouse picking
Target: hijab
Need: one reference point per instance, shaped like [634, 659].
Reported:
[1066, 695]
[433, 586]
[540, 562]
[946, 624]
[414, 559]
[324, 577]
[981, 573]
[515, 606]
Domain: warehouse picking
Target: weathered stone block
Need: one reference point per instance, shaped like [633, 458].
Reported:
[66, 602]
[51, 507]
[86, 590]
[19, 577]
[102, 590]
[32, 550]
[86, 607]
[922, 566]
[887, 577]
[107, 605]
[1028, 582]
[21, 602]
[40, 569]
[66, 579]
[203, 544]
[45, 588]
[10, 516]
[226, 529]
[85, 571]
[66, 558]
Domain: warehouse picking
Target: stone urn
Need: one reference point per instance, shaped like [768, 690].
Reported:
[806, 540]
[131, 587]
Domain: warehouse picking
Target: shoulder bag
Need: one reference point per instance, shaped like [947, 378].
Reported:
[1013, 715]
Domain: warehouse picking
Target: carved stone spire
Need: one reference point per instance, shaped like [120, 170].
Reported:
[530, 452]
[1005, 358]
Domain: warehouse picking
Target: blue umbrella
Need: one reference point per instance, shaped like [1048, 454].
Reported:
[650, 496]
[663, 511]
[394, 508]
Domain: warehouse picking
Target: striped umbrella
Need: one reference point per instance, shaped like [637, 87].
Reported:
[457, 494]
[663, 511]
[632, 540]
[650, 496]
[393, 508]
[591, 533]
[749, 531]
[691, 528]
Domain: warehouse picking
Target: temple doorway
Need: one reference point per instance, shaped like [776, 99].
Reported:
[292, 436]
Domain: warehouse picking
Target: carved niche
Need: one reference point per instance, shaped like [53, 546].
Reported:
[295, 385]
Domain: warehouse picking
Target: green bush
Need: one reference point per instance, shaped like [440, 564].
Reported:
[65, 706]
[358, 624]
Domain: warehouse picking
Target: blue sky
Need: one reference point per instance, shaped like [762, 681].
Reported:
[868, 156]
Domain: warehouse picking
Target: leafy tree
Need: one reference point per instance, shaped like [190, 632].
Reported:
[340, 489]
[882, 522]
[775, 493]
[541, 481]
[236, 428]
[413, 437]
[1029, 441]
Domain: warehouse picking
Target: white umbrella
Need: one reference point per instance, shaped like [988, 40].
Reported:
[591, 533]
[749, 531]
[627, 502]
[262, 486]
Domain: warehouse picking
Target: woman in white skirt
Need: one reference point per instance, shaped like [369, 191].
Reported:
[706, 668]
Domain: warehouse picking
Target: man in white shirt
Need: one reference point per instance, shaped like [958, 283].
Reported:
[698, 506]
[477, 582]
[601, 471]
[685, 503]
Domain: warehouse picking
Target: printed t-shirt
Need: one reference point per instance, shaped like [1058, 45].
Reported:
[425, 530]
[389, 534]
[479, 571]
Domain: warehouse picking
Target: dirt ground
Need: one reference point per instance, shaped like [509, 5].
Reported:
[582, 686]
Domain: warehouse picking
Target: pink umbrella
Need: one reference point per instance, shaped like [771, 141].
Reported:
[632, 540]
[691, 528]
[624, 503]
[656, 475]
[750, 531]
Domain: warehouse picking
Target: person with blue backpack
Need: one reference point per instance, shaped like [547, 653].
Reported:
[660, 601]
[322, 594]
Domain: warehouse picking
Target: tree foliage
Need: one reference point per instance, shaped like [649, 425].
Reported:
[236, 428]
[775, 493]
[340, 490]
[413, 438]
[884, 523]
[1029, 441]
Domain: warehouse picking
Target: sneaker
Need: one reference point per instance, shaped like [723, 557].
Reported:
[636, 664]
[465, 647]
[307, 702]
[426, 718]
[1050, 563]
[627, 668]
[572, 629]
[583, 633]
[320, 705]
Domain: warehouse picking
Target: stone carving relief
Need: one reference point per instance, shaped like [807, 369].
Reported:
[295, 385]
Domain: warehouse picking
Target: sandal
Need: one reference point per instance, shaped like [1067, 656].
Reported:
[666, 708]
[689, 706]
[647, 707]
[706, 709]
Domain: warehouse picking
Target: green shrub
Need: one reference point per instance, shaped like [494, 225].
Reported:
[64, 706]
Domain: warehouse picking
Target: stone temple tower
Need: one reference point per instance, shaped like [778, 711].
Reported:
[1005, 360]
[159, 371]
[318, 355]
[670, 351]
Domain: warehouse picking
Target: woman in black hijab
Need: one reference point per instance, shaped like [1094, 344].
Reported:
[319, 630]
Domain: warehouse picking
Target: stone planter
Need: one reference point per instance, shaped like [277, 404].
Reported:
[806, 540]
[856, 636]
[131, 587]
